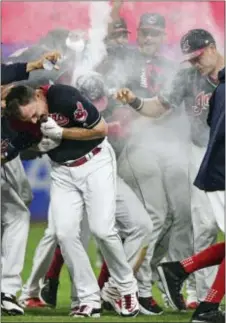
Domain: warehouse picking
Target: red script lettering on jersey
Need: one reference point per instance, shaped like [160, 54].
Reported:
[201, 103]
[60, 119]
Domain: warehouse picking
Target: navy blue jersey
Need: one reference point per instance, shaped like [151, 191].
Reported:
[70, 109]
[12, 142]
[211, 175]
[13, 72]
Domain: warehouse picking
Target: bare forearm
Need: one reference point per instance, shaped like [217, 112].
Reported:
[82, 134]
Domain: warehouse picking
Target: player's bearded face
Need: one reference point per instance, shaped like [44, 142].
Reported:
[35, 111]
[150, 40]
[206, 62]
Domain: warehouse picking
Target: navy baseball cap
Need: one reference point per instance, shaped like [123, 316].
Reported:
[120, 26]
[91, 86]
[152, 20]
[194, 43]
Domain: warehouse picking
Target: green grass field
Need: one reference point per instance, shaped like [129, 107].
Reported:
[60, 314]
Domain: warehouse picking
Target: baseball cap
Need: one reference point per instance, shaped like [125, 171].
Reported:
[194, 43]
[152, 20]
[91, 85]
[120, 26]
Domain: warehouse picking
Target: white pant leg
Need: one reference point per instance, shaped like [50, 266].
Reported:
[41, 262]
[85, 239]
[15, 220]
[140, 169]
[134, 224]
[177, 184]
[16, 176]
[217, 202]
[99, 196]
[204, 223]
[67, 207]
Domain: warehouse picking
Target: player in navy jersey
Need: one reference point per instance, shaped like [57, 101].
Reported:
[83, 171]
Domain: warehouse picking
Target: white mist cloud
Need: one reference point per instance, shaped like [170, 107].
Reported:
[99, 14]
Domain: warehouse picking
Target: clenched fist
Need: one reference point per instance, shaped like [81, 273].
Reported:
[126, 96]
[51, 129]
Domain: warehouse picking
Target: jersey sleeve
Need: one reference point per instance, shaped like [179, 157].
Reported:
[174, 94]
[68, 101]
[12, 143]
[13, 72]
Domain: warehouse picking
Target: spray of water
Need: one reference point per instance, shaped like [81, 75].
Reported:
[95, 50]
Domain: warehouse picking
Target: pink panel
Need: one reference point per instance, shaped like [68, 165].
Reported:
[28, 21]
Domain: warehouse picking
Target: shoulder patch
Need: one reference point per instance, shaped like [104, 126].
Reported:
[80, 113]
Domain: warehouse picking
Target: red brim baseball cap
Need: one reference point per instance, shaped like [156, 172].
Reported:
[101, 104]
[193, 54]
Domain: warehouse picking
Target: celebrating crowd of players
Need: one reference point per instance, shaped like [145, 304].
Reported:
[136, 199]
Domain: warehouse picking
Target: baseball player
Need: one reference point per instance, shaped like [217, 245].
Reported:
[193, 86]
[132, 220]
[118, 34]
[16, 192]
[83, 171]
[156, 165]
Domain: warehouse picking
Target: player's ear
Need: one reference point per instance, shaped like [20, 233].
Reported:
[37, 94]
[213, 47]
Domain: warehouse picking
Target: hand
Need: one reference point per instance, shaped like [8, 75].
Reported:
[5, 89]
[126, 96]
[51, 129]
[51, 56]
[47, 144]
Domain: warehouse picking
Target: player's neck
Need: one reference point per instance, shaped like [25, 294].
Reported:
[219, 65]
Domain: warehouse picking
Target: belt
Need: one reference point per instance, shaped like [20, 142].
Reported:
[84, 159]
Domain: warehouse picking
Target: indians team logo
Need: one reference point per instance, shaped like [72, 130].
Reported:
[152, 20]
[80, 113]
[186, 46]
[60, 119]
[201, 103]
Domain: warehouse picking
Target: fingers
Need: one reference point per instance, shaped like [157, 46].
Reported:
[52, 56]
[124, 95]
[3, 104]
[5, 89]
[119, 94]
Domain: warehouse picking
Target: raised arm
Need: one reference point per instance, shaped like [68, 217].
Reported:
[115, 14]
[152, 107]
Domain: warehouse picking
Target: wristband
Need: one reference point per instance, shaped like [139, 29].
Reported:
[137, 104]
